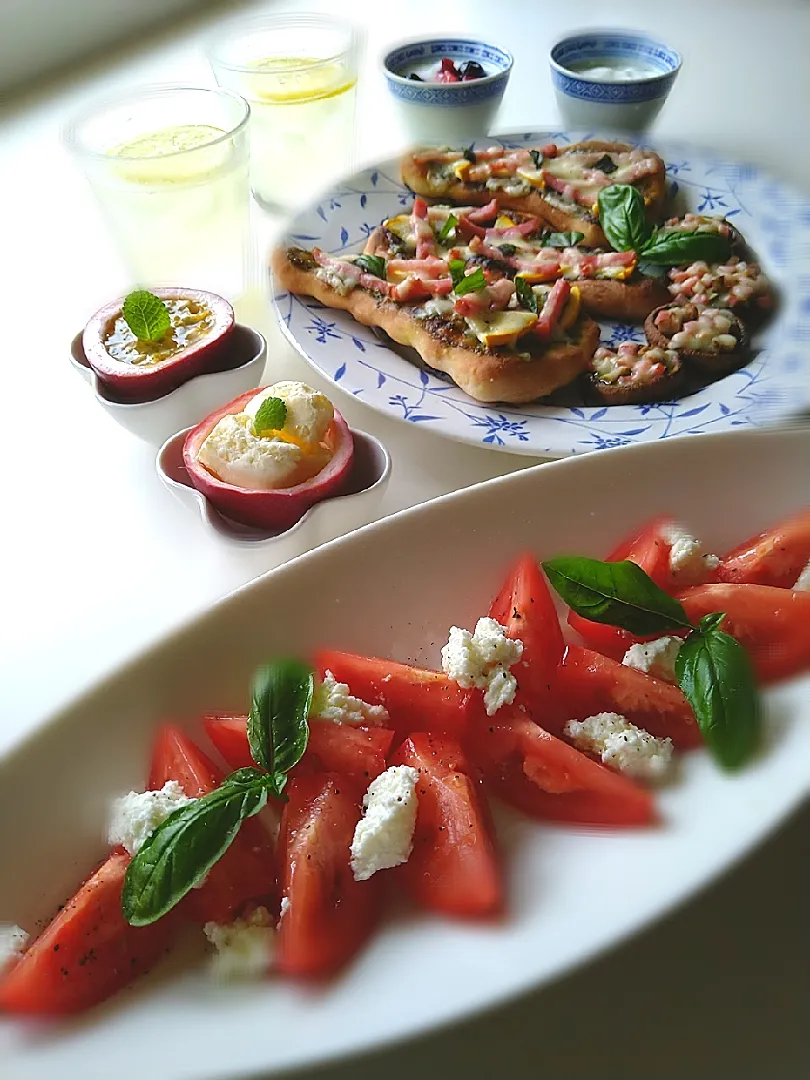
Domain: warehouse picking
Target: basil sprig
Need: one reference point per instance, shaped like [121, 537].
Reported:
[562, 239]
[507, 250]
[373, 264]
[537, 158]
[712, 668]
[715, 674]
[624, 222]
[466, 283]
[623, 217]
[448, 230]
[181, 851]
[277, 726]
[469, 154]
[146, 315]
[606, 165]
[616, 593]
[526, 295]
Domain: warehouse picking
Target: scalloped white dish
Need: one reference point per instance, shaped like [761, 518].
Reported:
[154, 421]
[773, 385]
[371, 470]
[393, 588]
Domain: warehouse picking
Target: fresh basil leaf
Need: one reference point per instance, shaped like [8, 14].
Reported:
[270, 416]
[469, 153]
[507, 250]
[715, 673]
[537, 158]
[606, 165]
[277, 727]
[652, 270]
[146, 315]
[676, 247]
[448, 230]
[616, 593]
[373, 264]
[468, 283]
[562, 239]
[526, 295]
[623, 217]
[181, 851]
[457, 268]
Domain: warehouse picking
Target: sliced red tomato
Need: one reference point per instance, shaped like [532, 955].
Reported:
[525, 607]
[327, 915]
[543, 776]
[592, 683]
[87, 953]
[417, 699]
[775, 557]
[246, 872]
[772, 623]
[453, 867]
[342, 748]
[647, 548]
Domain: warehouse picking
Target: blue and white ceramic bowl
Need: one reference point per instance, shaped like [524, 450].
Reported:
[446, 112]
[612, 80]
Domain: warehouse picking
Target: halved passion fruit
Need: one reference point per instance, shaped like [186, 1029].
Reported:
[278, 507]
[136, 369]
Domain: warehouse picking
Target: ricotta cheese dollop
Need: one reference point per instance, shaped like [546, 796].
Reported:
[136, 815]
[383, 837]
[332, 702]
[13, 940]
[245, 947]
[656, 658]
[622, 746]
[482, 660]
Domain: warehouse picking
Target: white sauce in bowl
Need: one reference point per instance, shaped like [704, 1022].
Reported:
[607, 70]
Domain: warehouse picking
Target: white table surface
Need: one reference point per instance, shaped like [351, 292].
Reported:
[99, 559]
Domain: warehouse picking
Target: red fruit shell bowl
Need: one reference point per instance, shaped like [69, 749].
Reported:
[130, 382]
[282, 507]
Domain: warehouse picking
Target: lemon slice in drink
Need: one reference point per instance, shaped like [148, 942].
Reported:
[174, 155]
[289, 80]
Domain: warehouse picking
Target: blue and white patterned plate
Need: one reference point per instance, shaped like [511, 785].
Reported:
[774, 385]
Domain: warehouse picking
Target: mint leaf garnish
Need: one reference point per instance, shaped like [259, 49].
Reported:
[146, 315]
[270, 416]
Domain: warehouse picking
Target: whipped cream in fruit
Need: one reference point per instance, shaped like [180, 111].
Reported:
[268, 473]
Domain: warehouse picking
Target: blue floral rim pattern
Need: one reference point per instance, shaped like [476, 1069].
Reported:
[612, 46]
[773, 385]
[494, 60]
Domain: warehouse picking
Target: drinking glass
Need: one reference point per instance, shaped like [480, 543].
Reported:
[299, 73]
[170, 169]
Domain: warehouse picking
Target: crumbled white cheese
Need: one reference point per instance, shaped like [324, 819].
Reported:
[136, 815]
[622, 745]
[244, 948]
[233, 453]
[341, 283]
[332, 701]
[656, 658]
[803, 580]
[687, 561]
[383, 837]
[309, 412]
[13, 940]
[482, 660]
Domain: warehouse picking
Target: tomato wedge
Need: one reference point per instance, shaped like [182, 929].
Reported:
[327, 915]
[592, 683]
[774, 557]
[246, 871]
[773, 624]
[525, 607]
[417, 699]
[531, 769]
[341, 748]
[87, 953]
[453, 867]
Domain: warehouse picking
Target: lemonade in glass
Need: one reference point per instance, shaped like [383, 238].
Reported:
[169, 167]
[299, 73]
